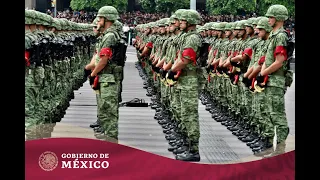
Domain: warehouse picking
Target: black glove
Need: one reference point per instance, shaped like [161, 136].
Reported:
[155, 69]
[91, 79]
[225, 70]
[247, 82]
[163, 73]
[210, 68]
[86, 73]
[235, 64]
[219, 69]
[171, 74]
[260, 79]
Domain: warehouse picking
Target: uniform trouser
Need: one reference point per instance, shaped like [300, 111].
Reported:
[164, 96]
[175, 106]
[235, 99]
[246, 100]
[223, 92]
[276, 114]
[190, 116]
[228, 93]
[108, 109]
[258, 112]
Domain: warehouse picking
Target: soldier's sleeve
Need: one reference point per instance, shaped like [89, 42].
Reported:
[249, 48]
[190, 48]
[108, 41]
[281, 44]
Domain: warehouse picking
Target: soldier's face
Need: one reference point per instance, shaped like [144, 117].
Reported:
[172, 27]
[202, 34]
[262, 33]
[256, 30]
[228, 33]
[241, 32]
[208, 33]
[167, 29]
[219, 33]
[162, 30]
[176, 22]
[272, 21]
[183, 25]
[100, 22]
[249, 30]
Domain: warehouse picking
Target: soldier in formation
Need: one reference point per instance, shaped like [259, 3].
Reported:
[105, 71]
[55, 52]
[239, 70]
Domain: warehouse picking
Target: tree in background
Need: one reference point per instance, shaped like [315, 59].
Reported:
[120, 5]
[236, 7]
[164, 6]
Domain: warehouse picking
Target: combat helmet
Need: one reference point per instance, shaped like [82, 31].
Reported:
[278, 11]
[256, 20]
[191, 16]
[240, 25]
[29, 17]
[228, 26]
[249, 22]
[263, 24]
[108, 12]
[177, 14]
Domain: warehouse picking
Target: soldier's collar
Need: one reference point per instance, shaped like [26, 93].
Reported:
[273, 33]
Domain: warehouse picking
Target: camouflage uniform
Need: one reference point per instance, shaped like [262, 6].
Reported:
[187, 85]
[108, 101]
[276, 84]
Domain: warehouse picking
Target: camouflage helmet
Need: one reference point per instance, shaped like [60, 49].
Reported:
[240, 25]
[235, 24]
[249, 22]
[212, 26]
[108, 12]
[166, 21]
[256, 20]
[64, 24]
[221, 26]
[191, 16]
[56, 24]
[161, 22]
[263, 24]
[228, 26]
[278, 11]
[177, 14]
[172, 18]
[29, 17]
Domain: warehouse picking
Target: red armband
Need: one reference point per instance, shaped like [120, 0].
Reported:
[265, 80]
[261, 60]
[236, 79]
[178, 73]
[95, 82]
[248, 52]
[26, 58]
[209, 48]
[149, 45]
[229, 53]
[189, 52]
[215, 52]
[281, 50]
[105, 52]
[252, 83]
[235, 53]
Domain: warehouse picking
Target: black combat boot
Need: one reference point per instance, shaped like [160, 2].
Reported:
[95, 124]
[192, 155]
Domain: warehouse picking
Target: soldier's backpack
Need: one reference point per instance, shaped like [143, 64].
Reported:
[290, 48]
